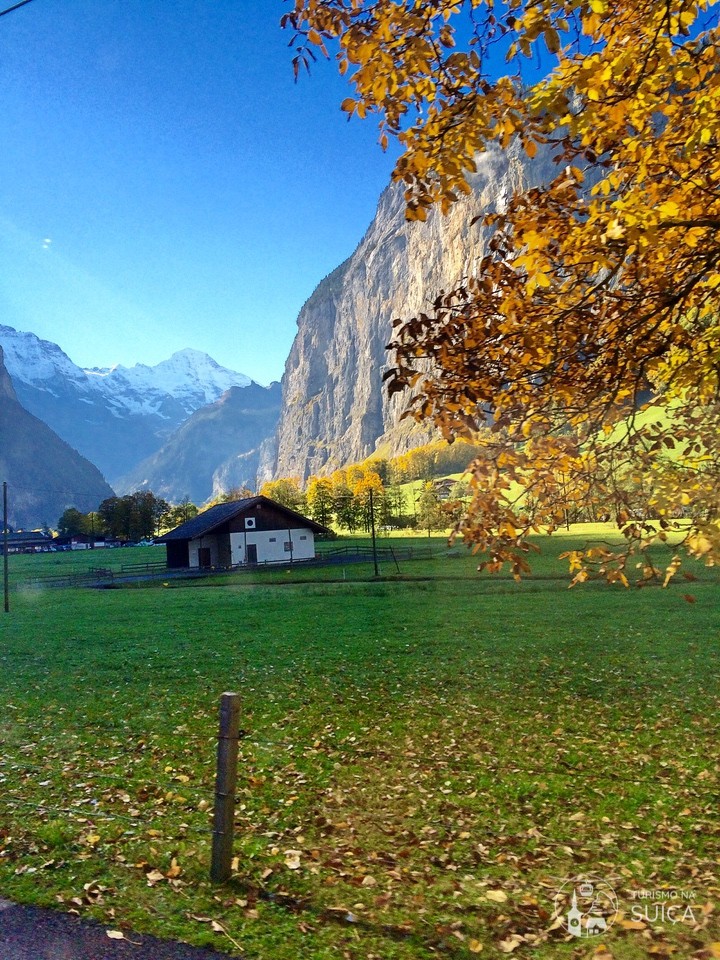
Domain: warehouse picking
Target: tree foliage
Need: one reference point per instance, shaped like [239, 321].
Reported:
[71, 523]
[430, 513]
[133, 517]
[588, 335]
[285, 491]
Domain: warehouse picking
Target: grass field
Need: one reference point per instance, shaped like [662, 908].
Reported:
[427, 757]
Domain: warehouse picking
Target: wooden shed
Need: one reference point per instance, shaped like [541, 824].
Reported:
[251, 531]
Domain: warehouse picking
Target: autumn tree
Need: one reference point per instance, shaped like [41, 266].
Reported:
[319, 498]
[368, 493]
[286, 491]
[429, 509]
[589, 331]
[345, 506]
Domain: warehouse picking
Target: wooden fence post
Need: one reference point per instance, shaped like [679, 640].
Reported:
[227, 754]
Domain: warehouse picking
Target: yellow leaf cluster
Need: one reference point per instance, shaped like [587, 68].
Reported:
[599, 292]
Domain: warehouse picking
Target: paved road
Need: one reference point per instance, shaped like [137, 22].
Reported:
[28, 933]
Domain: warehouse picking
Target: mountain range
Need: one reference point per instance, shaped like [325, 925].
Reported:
[115, 417]
[190, 427]
[44, 474]
[215, 450]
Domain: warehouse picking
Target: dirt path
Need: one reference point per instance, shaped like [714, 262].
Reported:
[29, 933]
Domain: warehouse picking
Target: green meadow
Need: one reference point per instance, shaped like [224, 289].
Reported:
[426, 757]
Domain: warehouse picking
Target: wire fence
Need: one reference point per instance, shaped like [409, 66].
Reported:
[105, 576]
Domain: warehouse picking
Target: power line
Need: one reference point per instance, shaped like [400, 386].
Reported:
[14, 7]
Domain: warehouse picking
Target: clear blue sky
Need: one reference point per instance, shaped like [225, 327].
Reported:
[165, 184]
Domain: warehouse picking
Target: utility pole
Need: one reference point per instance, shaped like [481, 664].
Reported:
[372, 529]
[6, 581]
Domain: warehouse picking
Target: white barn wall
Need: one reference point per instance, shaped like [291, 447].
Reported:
[195, 546]
[271, 545]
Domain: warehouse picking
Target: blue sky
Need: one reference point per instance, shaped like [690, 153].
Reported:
[165, 184]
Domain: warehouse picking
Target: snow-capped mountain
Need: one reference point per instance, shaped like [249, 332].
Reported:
[115, 417]
[188, 376]
[44, 473]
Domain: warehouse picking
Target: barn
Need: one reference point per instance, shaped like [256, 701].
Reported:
[251, 531]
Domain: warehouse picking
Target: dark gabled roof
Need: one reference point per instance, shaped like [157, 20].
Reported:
[216, 516]
[33, 536]
[209, 519]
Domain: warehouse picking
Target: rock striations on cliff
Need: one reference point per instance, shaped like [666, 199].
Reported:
[335, 409]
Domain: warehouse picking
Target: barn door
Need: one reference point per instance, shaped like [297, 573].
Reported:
[204, 558]
[252, 553]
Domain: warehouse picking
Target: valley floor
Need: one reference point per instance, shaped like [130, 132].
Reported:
[425, 762]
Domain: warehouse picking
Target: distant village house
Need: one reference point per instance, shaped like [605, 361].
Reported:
[31, 542]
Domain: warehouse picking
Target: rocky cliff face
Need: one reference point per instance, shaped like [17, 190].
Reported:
[335, 409]
[215, 450]
[7, 392]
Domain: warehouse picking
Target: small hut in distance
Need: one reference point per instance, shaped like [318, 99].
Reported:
[250, 531]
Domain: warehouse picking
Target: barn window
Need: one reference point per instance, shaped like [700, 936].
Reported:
[273, 539]
[303, 538]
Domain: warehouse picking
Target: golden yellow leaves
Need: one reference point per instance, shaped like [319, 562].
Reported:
[153, 875]
[292, 859]
[496, 896]
[586, 300]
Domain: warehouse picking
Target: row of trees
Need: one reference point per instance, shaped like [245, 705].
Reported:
[136, 516]
[348, 497]
[343, 498]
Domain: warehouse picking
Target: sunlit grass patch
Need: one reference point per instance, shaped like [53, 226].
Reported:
[422, 761]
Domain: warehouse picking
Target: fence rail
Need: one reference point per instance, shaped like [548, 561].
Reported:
[341, 554]
[143, 567]
[334, 556]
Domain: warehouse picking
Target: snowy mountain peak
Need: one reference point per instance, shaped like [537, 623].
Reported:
[190, 377]
[35, 361]
[83, 404]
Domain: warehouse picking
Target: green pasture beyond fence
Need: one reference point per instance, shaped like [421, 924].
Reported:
[422, 758]
[335, 555]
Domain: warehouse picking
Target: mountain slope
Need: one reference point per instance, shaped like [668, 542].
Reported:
[335, 409]
[216, 449]
[115, 417]
[44, 474]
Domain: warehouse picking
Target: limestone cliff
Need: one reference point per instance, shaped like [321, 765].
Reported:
[335, 409]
